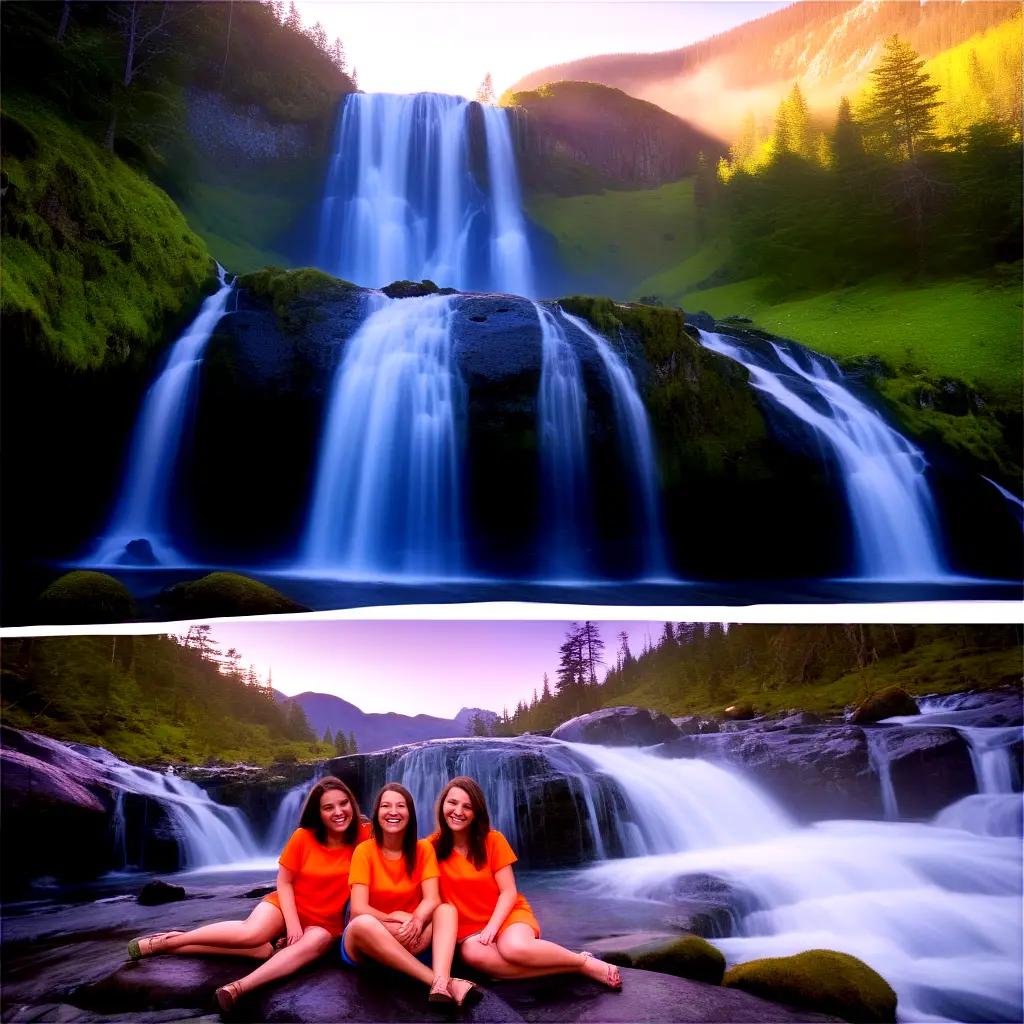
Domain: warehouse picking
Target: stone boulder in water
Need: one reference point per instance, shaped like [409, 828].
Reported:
[86, 596]
[891, 701]
[618, 727]
[821, 980]
[685, 956]
[223, 594]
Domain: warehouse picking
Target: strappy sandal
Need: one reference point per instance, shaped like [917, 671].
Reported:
[470, 997]
[612, 972]
[227, 996]
[440, 991]
[135, 950]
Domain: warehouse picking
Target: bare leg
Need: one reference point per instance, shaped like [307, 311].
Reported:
[261, 952]
[262, 925]
[518, 945]
[487, 960]
[367, 937]
[314, 943]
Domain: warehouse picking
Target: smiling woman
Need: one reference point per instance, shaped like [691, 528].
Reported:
[306, 908]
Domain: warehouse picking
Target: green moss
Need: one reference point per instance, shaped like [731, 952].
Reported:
[97, 260]
[687, 957]
[740, 711]
[84, 596]
[283, 287]
[224, 593]
[819, 980]
[701, 407]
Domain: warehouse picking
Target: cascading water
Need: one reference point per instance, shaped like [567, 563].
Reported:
[387, 496]
[638, 445]
[891, 506]
[143, 509]
[401, 200]
[881, 765]
[936, 911]
[561, 415]
[209, 834]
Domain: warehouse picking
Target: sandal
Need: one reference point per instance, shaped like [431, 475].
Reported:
[136, 951]
[470, 997]
[612, 978]
[227, 996]
[440, 991]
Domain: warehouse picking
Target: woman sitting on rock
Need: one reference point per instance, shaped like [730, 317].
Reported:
[497, 930]
[397, 917]
[306, 909]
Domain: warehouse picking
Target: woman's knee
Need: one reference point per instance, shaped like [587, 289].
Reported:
[474, 954]
[446, 912]
[318, 939]
[513, 948]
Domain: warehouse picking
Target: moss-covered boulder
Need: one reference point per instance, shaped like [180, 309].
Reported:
[221, 594]
[819, 980]
[893, 700]
[740, 712]
[85, 596]
[687, 957]
[285, 287]
[410, 289]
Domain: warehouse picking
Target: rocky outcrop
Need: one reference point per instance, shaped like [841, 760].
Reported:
[618, 727]
[887, 703]
[580, 137]
[235, 134]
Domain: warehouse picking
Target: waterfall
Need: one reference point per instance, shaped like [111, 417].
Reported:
[561, 415]
[401, 200]
[890, 504]
[143, 509]
[878, 756]
[637, 444]
[387, 495]
[208, 834]
[509, 248]
[936, 911]
[286, 818]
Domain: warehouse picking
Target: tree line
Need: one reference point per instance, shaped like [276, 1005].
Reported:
[896, 182]
[151, 699]
[701, 667]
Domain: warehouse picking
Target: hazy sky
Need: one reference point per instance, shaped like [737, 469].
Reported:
[413, 667]
[420, 45]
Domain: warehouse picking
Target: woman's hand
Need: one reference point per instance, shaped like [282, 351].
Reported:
[294, 934]
[409, 932]
[486, 935]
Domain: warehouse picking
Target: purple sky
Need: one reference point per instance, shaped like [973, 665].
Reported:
[413, 667]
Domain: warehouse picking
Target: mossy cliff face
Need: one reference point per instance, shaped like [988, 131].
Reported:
[720, 458]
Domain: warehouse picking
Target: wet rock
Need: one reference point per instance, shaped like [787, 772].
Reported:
[158, 892]
[709, 906]
[930, 768]
[409, 289]
[223, 594]
[705, 321]
[820, 980]
[740, 712]
[689, 956]
[138, 552]
[618, 727]
[893, 700]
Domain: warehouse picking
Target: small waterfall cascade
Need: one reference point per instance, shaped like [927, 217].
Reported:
[509, 248]
[878, 755]
[401, 200]
[936, 910]
[996, 809]
[638, 446]
[143, 508]
[286, 819]
[891, 507]
[1015, 503]
[209, 834]
[562, 415]
[387, 498]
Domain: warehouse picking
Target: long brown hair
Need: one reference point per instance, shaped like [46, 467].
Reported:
[411, 831]
[478, 827]
[310, 816]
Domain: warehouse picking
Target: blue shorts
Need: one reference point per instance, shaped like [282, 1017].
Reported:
[425, 957]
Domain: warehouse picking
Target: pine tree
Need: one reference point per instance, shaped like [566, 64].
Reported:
[293, 19]
[847, 141]
[340, 744]
[353, 747]
[742, 151]
[545, 693]
[902, 104]
[328, 739]
[485, 91]
[338, 54]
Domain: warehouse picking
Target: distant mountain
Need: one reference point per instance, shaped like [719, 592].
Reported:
[576, 137]
[380, 731]
[829, 47]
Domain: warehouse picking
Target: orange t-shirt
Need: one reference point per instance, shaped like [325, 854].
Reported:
[321, 878]
[391, 887]
[474, 891]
